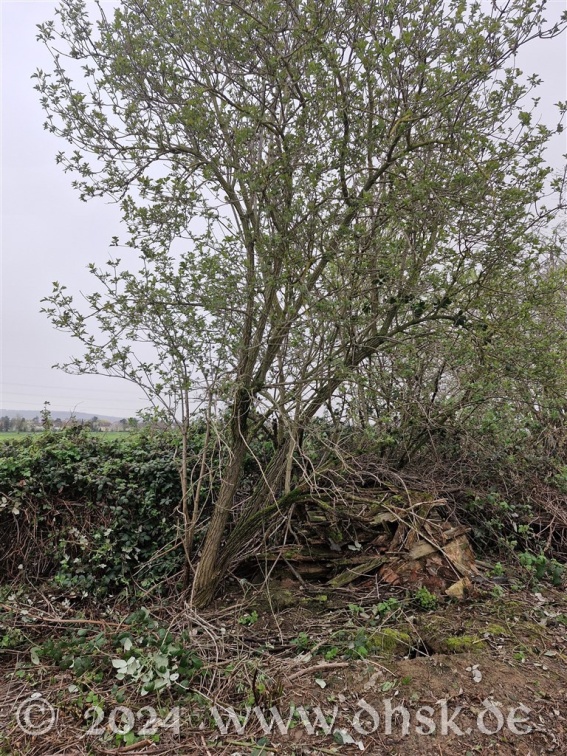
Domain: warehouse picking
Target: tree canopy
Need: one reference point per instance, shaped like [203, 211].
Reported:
[338, 206]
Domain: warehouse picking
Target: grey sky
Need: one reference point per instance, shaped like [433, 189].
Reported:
[48, 234]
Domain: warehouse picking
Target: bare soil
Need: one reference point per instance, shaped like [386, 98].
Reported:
[484, 675]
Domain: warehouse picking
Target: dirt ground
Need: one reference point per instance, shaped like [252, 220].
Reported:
[484, 675]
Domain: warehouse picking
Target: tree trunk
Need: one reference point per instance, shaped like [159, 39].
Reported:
[213, 565]
[209, 570]
[266, 492]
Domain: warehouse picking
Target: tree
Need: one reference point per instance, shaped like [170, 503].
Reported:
[310, 187]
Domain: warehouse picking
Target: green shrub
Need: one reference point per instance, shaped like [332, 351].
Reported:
[90, 512]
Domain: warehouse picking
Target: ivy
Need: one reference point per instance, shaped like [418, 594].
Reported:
[90, 513]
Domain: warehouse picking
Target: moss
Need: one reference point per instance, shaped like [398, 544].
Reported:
[274, 597]
[495, 629]
[316, 604]
[283, 598]
[437, 633]
[461, 644]
[507, 609]
[388, 640]
[336, 535]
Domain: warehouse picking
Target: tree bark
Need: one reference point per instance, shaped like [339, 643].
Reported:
[266, 492]
[209, 570]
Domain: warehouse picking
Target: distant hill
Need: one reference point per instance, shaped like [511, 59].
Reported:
[58, 414]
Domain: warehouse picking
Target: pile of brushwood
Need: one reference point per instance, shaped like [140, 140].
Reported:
[367, 523]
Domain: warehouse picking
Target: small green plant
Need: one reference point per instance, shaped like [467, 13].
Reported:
[143, 653]
[497, 592]
[540, 567]
[12, 638]
[358, 647]
[94, 699]
[129, 737]
[152, 658]
[154, 670]
[424, 599]
[535, 564]
[556, 572]
[498, 570]
[386, 607]
[76, 651]
[248, 619]
[302, 642]
[356, 610]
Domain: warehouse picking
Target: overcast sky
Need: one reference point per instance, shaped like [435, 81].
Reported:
[48, 234]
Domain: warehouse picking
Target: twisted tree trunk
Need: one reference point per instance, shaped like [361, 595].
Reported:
[210, 570]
